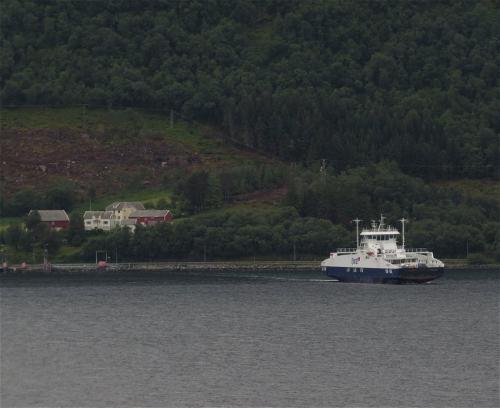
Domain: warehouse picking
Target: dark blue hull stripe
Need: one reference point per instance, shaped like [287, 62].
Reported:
[379, 275]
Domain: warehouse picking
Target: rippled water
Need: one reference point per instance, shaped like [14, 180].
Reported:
[250, 340]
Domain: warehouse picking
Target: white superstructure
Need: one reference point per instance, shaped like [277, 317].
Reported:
[379, 256]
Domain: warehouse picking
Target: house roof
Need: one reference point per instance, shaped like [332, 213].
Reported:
[149, 213]
[52, 215]
[88, 215]
[120, 205]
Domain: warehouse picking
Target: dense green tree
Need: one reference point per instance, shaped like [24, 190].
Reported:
[301, 80]
[22, 202]
[60, 197]
[76, 230]
[161, 204]
[13, 234]
[196, 189]
[32, 220]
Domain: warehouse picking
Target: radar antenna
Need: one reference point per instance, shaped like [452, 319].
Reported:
[357, 221]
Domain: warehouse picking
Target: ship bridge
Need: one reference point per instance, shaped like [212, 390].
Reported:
[380, 232]
[379, 237]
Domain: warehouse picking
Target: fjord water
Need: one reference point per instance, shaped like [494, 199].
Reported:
[244, 340]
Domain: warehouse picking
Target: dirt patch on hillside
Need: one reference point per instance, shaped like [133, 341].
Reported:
[36, 157]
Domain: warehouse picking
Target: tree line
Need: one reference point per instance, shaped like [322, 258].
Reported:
[354, 82]
[313, 220]
[443, 219]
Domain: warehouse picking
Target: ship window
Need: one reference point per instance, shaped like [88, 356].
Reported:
[354, 270]
[361, 269]
[348, 269]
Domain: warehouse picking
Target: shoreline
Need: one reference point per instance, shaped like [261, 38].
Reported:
[179, 267]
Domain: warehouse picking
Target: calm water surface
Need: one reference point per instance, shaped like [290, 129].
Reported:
[285, 340]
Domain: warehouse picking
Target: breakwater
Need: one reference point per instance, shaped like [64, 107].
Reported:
[158, 267]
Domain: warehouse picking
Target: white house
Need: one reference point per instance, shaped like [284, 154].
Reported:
[102, 220]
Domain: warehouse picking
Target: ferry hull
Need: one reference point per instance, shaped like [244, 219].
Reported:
[420, 275]
[376, 275]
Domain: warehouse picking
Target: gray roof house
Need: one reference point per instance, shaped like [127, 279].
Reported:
[55, 219]
[149, 213]
[88, 215]
[52, 215]
[120, 205]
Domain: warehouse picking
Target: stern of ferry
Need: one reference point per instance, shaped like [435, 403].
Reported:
[420, 275]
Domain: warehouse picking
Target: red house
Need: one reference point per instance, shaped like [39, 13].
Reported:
[149, 217]
[55, 219]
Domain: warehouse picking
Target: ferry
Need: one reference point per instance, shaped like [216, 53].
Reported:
[379, 259]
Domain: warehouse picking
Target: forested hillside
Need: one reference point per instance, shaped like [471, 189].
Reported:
[353, 82]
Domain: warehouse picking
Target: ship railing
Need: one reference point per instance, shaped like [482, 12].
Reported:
[375, 230]
[416, 250]
[346, 250]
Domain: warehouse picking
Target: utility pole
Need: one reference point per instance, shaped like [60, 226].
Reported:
[323, 166]
[84, 116]
[4, 260]
[357, 221]
[45, 258]
[322, 169]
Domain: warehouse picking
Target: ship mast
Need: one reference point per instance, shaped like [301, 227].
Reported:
[357, 221]
[381, 225]
[403, 220]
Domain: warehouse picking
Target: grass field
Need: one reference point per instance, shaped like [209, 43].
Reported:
[6, 221]
[147, 195]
